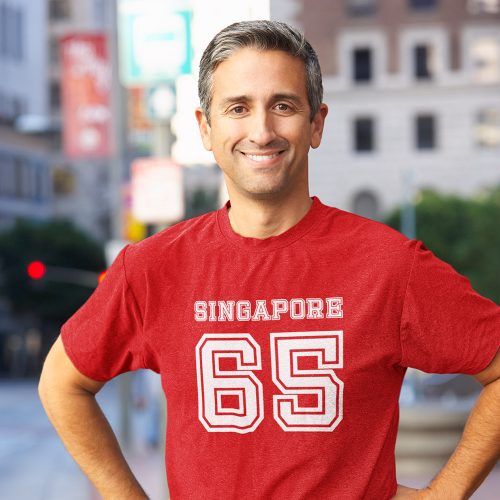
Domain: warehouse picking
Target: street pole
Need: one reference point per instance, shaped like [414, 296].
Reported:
[408, 216]
[163, 140]
[409, 229]
[116, 182]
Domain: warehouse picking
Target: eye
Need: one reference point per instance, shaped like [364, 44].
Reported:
[283, 107]
[237, 110]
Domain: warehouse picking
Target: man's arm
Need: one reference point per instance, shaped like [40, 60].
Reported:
[69, 400]
[478, 450]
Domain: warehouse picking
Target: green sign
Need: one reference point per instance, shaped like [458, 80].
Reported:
[155, 41]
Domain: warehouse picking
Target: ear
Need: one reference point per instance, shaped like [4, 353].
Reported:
[317, 126]
[205, 130]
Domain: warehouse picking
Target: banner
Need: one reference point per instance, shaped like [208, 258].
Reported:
[157, 190]
[85, 92]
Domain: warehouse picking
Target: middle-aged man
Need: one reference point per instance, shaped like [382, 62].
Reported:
[281, 327]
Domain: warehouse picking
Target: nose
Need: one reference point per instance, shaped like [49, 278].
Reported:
[262, 128]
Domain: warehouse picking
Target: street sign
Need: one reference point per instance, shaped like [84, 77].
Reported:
[154, 40]
[160, 102]
[157, 191]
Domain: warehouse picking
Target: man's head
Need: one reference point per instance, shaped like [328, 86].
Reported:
[261, 35]
[261, 110]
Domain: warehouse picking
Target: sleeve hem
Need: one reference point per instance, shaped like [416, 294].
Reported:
[76, 363]
[136, 304]
[489, 359]
[401, 348]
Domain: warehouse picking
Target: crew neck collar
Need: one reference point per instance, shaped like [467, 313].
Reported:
[291, 235]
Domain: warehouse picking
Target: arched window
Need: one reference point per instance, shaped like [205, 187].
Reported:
[366, 204]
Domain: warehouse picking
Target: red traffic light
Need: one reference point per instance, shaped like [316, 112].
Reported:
[36, 270]
[101, 276]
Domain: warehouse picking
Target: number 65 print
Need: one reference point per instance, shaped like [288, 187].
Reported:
[240, 354]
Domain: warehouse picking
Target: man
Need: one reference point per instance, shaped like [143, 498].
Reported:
[282, 328]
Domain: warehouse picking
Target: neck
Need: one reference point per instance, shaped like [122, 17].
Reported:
[265, 218]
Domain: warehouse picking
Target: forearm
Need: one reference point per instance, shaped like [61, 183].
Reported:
[68, 397]
[477, 451]
[87, 435]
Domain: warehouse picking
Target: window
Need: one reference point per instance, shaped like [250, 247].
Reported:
[423, 4]
[361, 8]
[362, 65]
[54, 51]
[11, 32]
[63, 181]
[18, 49]
[55, 95]
[487, 130]
[18, 177]
[3, 29]
[5, 176]
[483, 6]
[59, 9]
[366, 204]
[425, 132]
[364, 135]
[18, 107]
[485, 54]
[422, 57]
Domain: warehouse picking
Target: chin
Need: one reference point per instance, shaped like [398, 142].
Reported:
[269, 193]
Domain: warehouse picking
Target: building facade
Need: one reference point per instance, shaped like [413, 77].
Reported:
[413, 88]
[36, 180]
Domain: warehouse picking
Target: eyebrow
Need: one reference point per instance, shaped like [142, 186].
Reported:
[275, 97]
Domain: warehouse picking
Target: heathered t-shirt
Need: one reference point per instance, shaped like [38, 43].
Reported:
[282, 359]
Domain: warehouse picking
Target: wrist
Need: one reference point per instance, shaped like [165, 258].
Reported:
[437, 490]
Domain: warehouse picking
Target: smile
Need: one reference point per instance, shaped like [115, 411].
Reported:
[262, 157]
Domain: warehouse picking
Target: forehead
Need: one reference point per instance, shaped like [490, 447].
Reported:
[255, 73]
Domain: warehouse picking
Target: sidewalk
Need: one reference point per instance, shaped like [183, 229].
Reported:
[35, 466]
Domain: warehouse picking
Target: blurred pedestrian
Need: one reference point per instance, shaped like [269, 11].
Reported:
[281, 327]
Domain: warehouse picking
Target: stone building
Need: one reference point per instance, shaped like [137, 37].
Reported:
[413, 88]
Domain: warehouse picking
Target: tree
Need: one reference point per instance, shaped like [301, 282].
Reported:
[55, 243]
[463, 232]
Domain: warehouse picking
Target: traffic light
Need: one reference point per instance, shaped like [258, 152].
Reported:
[36, 270]
[101, 276]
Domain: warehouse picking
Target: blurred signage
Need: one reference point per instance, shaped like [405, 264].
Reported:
[139, 124]
[160, 102]
[133, 230]
[154, 41]
[85, 90]
[157, 191]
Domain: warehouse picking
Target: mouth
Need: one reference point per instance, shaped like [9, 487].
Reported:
[262, 158]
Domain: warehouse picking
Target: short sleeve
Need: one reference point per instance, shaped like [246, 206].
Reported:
[103, 338]
[446, 327]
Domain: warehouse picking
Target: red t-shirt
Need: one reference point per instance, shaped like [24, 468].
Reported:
[282, 359]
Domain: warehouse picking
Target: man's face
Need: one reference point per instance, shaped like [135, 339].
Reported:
[260, 130]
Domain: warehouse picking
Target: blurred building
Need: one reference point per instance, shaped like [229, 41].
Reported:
[413, 88]
[36, 180]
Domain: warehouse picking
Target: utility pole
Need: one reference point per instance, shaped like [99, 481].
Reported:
[408, 216]
[116, 182]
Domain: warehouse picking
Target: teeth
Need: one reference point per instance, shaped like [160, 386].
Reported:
[262, 157]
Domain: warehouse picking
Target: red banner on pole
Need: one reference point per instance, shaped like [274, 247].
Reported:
[85, 91]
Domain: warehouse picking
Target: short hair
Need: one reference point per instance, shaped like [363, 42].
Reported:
[261, 35]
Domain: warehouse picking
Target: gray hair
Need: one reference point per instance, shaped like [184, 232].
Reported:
[261, 35]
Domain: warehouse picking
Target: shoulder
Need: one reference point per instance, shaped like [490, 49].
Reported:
[182, 236]
[367, 235]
